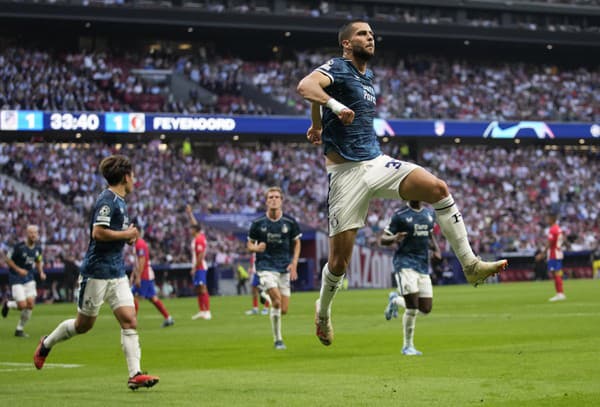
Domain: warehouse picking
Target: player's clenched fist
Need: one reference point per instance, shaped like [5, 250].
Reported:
[346, 116]
[314, 135]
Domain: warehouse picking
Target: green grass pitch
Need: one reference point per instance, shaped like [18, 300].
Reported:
[497, 345]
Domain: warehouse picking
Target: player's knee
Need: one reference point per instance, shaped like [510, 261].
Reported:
[82, 328]
[425, 309]
[338, 266]
[129, 324]
[439, 190]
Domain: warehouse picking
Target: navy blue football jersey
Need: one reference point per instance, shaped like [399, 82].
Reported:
[413, 251]
[279, 236]
[104, 260]
[357, 141]
[25, 257]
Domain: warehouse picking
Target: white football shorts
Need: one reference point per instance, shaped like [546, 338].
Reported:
[93, 292]
[352, 185]
[410, 282]
[20, 292]
[274, 279]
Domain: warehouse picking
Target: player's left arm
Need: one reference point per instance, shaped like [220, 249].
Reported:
[202, 256]
[293, 266]
[39, 264]
[393, 233]
[434, 246]
[194, 259]
[137, 271]
[550, 241]
[313, 134]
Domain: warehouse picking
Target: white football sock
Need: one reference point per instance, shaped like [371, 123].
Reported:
[330, 284]
[266, 297]
[12, 304]
[25, 316]
[453, 228]
[276, 323]
[408, 322]
[399, 301]
[130, 342]
[62, 332]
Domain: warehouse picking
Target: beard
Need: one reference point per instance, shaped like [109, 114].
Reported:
[362, 53]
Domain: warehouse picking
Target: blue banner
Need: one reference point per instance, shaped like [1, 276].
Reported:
[130, 123]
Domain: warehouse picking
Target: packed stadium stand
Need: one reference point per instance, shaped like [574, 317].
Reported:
[411, 87]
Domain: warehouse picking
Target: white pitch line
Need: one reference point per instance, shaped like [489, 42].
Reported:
[21, 367]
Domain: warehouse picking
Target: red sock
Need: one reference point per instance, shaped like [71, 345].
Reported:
[206, 301]
[137, 304]
[558, 283]
[254, 302]
[267, 304]
[160, 306]
[200, 302]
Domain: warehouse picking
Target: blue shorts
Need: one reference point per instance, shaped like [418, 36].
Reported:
[554, 265]
[200, 278]
[146, 289]
[255, 280]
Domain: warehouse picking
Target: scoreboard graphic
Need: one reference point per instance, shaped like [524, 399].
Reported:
[152, 123]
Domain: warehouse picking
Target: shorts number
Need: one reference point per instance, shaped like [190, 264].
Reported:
[394, 163]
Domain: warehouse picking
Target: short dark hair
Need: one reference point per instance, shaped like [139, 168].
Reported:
[345, 31]
[114, 168]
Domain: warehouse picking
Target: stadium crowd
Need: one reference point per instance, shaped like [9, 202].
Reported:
[409, 87]
[504, 194]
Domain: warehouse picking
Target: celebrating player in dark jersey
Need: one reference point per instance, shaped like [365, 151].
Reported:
[275, 238]
[411, 229]
[103, 275]
[23, 262]
[358, 171]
